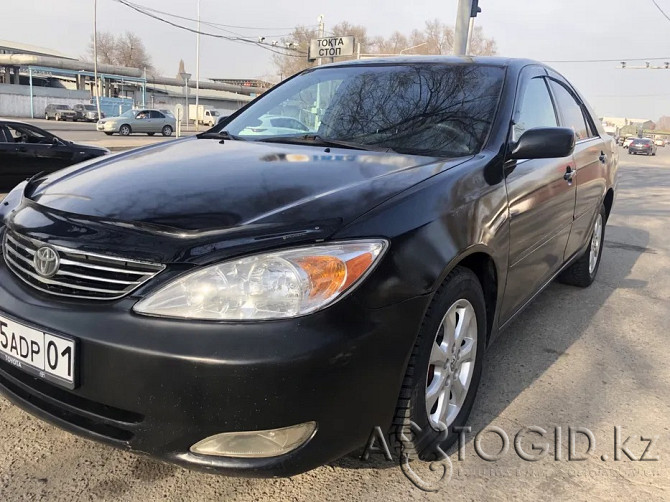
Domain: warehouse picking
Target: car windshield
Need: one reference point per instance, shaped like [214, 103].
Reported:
[90, 108]
[422, 109]
[62, 107]
[129, 113]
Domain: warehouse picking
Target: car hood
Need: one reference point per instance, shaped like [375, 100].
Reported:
[202, 190]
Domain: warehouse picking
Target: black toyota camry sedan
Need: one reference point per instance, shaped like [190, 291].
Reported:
[26, 150]
[332, 258]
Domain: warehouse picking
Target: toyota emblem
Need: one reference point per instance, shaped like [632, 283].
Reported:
[46, 261]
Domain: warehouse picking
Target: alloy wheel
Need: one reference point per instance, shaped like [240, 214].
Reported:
[596, 240]
[451, 364]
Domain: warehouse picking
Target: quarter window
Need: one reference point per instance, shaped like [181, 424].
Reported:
[537, 109]
[571, 112]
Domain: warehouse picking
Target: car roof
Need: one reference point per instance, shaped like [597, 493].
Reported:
[451, 60]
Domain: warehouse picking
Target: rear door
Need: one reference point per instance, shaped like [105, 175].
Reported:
[591, 155]
[541, 200]
[157, 121]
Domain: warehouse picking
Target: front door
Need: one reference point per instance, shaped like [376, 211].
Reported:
[541, 199]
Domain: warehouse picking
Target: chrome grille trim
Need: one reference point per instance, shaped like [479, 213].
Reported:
[82, 275]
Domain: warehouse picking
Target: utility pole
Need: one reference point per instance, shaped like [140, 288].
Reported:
[95, 57]
[322, 29]
[197, 73]
[465, 24]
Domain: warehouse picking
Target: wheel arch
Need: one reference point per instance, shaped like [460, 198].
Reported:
[479, 259]
[608, 202]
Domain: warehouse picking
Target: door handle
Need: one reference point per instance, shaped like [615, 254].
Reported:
[569, 175]
[603, 157]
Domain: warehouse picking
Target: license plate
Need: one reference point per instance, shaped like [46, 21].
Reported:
[47, 356]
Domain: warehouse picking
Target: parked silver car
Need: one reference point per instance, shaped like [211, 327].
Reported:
[89, 113]
[59, 112]
[138, 121]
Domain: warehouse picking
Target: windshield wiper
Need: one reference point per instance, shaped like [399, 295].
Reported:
[316, 140]
[222, 135]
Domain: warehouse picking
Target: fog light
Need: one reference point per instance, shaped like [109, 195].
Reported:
[256, 444]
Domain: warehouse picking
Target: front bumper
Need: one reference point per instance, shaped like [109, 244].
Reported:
[158, 386]
[107, 127]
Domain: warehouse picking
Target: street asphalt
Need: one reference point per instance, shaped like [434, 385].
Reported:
[590, 359]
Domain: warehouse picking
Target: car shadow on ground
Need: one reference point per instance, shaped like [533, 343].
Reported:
[537, 338]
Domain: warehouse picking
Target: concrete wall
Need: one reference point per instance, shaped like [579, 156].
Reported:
[15, 99]
[169, 102]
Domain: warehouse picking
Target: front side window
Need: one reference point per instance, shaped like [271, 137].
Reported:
[23, 133]
[536, 109]
[422, 109]
[571, 112]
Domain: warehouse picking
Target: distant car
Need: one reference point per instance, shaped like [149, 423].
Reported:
[138, 121]
[89, 113]
[26, 150]
[211, 117]
[275, 124]
[59, 112]
[642, 146]
[628, 141]
[660, 142]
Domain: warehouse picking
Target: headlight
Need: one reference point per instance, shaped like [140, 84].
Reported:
[276, 285]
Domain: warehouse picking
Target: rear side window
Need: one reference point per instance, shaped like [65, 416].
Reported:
[157, 115]
[536, 110]
[571, 112]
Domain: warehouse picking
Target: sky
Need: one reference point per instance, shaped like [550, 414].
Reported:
[545, 30]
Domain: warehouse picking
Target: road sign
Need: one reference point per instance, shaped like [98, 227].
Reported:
[330, 47]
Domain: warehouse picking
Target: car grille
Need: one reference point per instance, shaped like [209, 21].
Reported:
[79, 275]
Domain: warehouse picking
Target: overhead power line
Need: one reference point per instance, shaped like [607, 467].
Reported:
[269, 47]
[660, 9]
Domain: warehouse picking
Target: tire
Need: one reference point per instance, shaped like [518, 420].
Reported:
[167, 130]
[108, 133]
[583, 272]
[46, 116]
[58, 118]
[125, 130]
[151, 133]
[461, 293]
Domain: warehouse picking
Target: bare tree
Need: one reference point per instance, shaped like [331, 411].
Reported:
[123, 50]
[130, 51]
[435, 38]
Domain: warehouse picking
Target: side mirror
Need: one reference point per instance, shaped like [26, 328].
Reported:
[544, 143]
[55, 141]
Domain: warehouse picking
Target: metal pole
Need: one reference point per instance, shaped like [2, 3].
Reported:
[471, 30]
[358, 50]
[322, 29]
[95, 57]
[462, 24]
[186, 109]
[197, 72]
[30, 81]
[144, 89]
